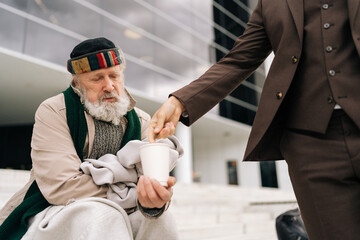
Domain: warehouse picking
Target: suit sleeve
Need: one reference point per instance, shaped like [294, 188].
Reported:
[247, 54]
[55, 162]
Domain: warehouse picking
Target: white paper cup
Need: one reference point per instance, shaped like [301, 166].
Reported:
[155, 161]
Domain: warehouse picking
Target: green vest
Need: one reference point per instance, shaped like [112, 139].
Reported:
[15, 225]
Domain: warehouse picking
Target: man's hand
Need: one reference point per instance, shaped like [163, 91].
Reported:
[164, 121]
[153, 195]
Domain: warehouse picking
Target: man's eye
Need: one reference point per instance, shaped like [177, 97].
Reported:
[115, 77]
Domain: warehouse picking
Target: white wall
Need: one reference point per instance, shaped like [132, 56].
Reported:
[211, 156]
[283, 176]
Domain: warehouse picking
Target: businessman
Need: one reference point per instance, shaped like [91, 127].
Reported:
[309, 111]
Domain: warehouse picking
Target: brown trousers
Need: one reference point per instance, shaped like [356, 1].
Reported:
[325, 174]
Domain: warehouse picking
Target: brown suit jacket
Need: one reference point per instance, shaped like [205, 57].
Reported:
[275, 25]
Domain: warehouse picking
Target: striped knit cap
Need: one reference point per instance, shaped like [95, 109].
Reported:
[93, 54]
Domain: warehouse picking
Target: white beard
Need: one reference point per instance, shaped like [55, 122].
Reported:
[107, 111]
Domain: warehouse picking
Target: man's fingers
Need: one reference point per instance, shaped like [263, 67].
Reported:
[148, 193]
[159, 120]
[169, 129]
[168, 114]
[151, 134]
[142, 195]
[163, 193]
[164, 133]
[172, 128]
[151, 193]
[171, 181]
[156, 125]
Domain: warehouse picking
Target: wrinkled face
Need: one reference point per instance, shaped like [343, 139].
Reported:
[103, 95]
[101, 82]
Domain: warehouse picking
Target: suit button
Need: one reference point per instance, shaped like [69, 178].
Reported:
[329, 49]
[294, 59]
[325, 6]
[332, 73]
[279, 95]
[330, 100]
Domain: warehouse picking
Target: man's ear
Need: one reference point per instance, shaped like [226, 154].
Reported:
[75, 81]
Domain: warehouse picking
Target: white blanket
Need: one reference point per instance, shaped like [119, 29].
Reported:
[80, 220]
[121, 171]
[98, 218]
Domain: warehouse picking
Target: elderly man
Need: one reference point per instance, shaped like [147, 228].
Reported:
[93, 118]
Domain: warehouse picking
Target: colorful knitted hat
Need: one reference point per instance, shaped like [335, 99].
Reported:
[93, 54]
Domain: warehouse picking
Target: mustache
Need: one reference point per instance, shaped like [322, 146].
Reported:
[109, 95]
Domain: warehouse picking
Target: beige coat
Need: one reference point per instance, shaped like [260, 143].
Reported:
[56, 166]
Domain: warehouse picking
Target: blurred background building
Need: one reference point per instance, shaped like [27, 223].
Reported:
[167, 44]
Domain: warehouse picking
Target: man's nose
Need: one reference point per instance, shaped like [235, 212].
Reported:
[108, 85]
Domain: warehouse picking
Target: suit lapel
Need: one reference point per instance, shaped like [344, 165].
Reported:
[353, 6]
[297, 12]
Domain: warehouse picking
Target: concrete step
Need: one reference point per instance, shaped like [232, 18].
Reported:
[208, 218]
[257, 236]
[227, 230]
[10, 182]
[15, 177]
[206, 208]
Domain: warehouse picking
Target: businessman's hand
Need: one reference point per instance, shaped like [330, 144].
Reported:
[164, 121]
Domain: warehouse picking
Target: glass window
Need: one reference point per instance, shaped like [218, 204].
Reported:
[150, 51]
[47, 44]
[18, 4]
[12, 28]
[146, 80]
[69, 15]
[129, 11]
